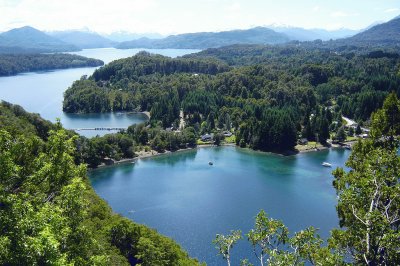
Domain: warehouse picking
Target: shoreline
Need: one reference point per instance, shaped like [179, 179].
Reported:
[153, 154]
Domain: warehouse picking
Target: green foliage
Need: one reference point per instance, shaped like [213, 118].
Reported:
[368, 204]
[267, 236]
[273, 92]
[341, 134]
[49, 215]
[12, 64]
[386, 121]
[273, 246]
[225, 243]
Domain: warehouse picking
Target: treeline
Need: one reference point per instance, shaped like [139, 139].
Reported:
[50, 215]
[137, 83]
[125, 145]
[269, 92]
[12, 64]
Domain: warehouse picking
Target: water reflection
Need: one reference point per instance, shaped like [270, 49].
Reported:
[185, 198]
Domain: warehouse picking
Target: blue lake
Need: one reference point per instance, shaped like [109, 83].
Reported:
[185, 198]
[42, 92]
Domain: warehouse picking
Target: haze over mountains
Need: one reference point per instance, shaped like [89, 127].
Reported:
[204, 40]
[300, 34]
[383, 34]
[83, 39]
[28, 39]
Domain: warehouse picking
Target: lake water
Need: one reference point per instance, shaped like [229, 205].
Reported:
[42, 92]
[185, 198]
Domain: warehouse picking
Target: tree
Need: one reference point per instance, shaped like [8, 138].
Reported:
[351, 131]
[386, 121]
[341, 134]
[272, 245]
[358, 130]
[369, 203]
[267, 236]
[224, 244]
[324, 131]
[218, 138]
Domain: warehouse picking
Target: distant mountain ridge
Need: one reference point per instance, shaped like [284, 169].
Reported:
[301, 34]
[203, 40]
[83, 39]
[123, 36]
[28, 39]
[383, 35]
[31, 40]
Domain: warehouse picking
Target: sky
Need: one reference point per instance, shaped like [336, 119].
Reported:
[182, 16]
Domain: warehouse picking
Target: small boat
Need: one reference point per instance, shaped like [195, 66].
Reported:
[347, 147]
[210, 163]
[326, 164]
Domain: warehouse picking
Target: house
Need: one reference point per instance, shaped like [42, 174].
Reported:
[227, 133]
[303, 141]
[207, 137]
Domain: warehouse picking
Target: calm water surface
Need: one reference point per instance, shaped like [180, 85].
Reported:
[42, 92]
[183, 197]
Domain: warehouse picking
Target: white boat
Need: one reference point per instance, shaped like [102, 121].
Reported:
[326, 164]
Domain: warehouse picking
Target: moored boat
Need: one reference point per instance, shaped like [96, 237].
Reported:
[326, 164]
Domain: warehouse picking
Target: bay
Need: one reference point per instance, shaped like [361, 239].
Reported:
[42, 92]
[185, 198]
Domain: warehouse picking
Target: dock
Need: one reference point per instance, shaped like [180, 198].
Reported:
[100, 128]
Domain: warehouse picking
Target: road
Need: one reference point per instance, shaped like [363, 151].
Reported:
[349, 121]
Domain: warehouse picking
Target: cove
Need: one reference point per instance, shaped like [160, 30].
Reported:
[185, 198]
[42, 92]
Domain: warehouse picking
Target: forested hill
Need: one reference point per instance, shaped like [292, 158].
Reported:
[50, 215]
[203, 40]
[273, 95]
[386, 34]
[12, 64]
[136, 83]
[31, 40]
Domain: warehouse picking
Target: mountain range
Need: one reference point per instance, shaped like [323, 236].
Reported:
[31, 40]
[83, 39]
[203, 40]
[301, 34]
[28, 39]
[123, 36]
[380, 35]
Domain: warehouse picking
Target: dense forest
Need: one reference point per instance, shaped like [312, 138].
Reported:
[12, 64]
[269, 95]
[50, 215]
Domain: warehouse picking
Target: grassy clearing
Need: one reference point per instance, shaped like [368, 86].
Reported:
[231, 139]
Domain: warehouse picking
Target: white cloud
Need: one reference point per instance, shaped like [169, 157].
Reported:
[98, 15]
[392, 10]
[179, 16]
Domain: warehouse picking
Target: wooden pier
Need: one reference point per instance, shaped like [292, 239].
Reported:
[100, 128]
